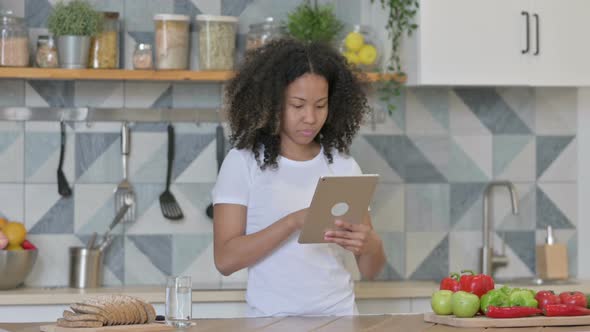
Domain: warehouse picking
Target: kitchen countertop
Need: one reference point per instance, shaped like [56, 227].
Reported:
[235, 293]
[373, 323]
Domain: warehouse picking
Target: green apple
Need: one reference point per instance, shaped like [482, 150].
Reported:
[465, 304]
[441, 302]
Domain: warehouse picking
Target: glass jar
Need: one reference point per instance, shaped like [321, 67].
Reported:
[361, 48]
[261, 33]
[46, 55]
[217, 42]
[104, 47]
[172, 41]
[142, 56]
[14, 41]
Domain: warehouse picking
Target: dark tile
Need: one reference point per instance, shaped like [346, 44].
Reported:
[89, 147]
[436, 265]
[234, 7]
[37, 12]
[549, 214]
[59, 219]
[548, 150]
[391, 148]
[463, 196]
[523, 245]
[188, 148]
[55, 93]
[492, 111]
[157, 248]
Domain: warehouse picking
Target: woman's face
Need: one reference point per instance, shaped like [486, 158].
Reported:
[306, 109]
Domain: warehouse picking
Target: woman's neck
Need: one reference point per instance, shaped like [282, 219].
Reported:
[300, 152]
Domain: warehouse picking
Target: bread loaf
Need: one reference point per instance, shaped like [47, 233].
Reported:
[106, 310]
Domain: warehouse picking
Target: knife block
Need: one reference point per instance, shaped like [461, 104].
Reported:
[552, 262]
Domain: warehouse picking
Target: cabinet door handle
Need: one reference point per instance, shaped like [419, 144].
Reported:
[537, 35]
[528, 32]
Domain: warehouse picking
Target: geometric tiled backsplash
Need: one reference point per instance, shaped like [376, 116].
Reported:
[435, 155]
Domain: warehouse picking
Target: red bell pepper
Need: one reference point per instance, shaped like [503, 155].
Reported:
[450, 283]
[565, 310]
[575, 298]
[511, 312]
[547, 297]
[476, 284]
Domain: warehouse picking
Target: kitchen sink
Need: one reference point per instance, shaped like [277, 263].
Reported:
[534, 281]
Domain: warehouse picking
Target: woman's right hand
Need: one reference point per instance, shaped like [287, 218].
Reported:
[298, 218]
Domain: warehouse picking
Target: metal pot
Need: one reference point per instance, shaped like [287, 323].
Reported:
[73, 51]
[15, 266]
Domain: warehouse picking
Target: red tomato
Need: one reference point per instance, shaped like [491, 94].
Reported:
[575, 298]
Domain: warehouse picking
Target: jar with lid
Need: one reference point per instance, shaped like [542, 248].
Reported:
[46, 55]
[261, 33]
[14, 41]
[142, 56]
[104, 47]
[172, 41]
[217, 42]
[361, 48]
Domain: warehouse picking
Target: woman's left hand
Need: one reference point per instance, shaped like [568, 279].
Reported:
[357, 238]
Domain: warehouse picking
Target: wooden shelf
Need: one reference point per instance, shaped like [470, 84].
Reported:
[135, 75]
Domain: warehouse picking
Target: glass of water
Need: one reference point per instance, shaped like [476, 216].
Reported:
[178, 301]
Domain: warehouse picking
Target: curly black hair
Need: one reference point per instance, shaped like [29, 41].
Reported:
[256, 96]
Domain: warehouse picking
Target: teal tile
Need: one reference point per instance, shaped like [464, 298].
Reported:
[427, 207]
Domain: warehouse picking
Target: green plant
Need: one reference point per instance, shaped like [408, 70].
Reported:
[400, 21]
[77, 18]
[313, 23]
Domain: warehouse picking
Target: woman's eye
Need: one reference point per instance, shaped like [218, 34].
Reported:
[297, 106]
[322, 106]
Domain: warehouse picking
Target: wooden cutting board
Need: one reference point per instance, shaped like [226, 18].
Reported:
[506, 322]
[117, 328]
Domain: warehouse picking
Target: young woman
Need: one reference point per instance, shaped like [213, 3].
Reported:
[294, 109]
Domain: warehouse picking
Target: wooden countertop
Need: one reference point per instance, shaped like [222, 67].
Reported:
[409, 323]
[236, 292]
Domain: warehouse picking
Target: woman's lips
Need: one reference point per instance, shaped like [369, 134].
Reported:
[307, 132]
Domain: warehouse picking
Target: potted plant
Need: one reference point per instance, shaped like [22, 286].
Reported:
[400, 21]
[313, 23]
[73, 24]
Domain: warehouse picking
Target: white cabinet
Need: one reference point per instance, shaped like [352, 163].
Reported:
[499, 42]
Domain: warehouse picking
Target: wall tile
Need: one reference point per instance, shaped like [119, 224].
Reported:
[12, 92]
[12, 149]
[427, 207]
[12, 201]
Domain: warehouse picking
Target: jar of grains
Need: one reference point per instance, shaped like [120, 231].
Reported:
[217, 42]
[14, 41]
[172, 41]
[104, 47]
[142, 56]
[46, 55]
[262, 33]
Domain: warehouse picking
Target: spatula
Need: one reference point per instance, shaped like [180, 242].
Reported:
[220, 155]
[63, 188]
[168, 204]
[125, 189]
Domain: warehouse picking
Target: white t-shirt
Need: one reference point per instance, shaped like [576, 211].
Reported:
[295, 279]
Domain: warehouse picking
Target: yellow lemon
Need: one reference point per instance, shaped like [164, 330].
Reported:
[3, 222]
[352, 58]
[14, 247]
[368, 54]
[354, 41]
[15, 232]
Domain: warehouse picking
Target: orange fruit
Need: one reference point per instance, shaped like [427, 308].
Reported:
[3, 222]
[15, 232]
[14, 247]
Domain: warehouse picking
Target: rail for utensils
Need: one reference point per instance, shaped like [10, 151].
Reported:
[92, 114]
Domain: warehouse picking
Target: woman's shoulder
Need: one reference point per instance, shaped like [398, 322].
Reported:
[344, 163]
[241, 155]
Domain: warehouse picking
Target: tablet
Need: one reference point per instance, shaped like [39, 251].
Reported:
[337, 197]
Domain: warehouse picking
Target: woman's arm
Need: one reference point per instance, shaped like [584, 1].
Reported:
[363, 242]
[233, 250]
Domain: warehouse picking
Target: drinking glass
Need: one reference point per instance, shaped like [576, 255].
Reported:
[178, 301]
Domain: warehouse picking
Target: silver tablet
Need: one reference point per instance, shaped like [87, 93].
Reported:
[337, 197]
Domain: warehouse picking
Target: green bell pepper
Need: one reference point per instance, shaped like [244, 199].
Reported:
[496, 298]
[522, 298]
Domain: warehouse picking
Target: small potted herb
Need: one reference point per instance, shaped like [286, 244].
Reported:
[313, 23]
[73, 24]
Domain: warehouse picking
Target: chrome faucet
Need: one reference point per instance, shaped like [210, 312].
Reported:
[489, 260]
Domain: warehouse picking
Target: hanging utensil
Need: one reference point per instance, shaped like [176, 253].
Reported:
[125, 189]
[168, 204]
[92, 241]
[128, 202]
[220, 155]
[63, 188]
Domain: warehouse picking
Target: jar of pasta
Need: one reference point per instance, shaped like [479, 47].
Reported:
[172, 41]
[14, 41]
[217, 42]
[104, 47]
[46, 55]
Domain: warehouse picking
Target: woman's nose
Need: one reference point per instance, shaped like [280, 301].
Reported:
[309, 115]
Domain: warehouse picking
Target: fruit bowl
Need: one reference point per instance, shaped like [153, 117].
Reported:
[15, 266]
